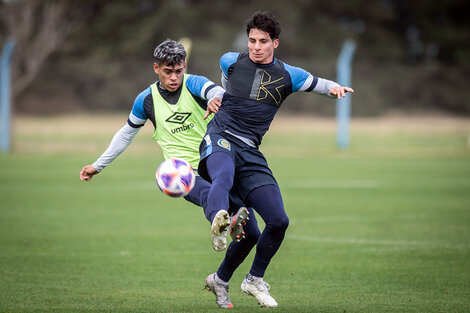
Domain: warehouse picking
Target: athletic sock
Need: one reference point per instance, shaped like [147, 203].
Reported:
[250, 278]
[220, 281]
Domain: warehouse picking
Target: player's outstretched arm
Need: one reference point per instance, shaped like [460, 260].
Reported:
[88, 172]
[340, 91]
[121, 140]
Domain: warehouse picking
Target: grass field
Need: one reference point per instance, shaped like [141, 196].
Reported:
[381, 227]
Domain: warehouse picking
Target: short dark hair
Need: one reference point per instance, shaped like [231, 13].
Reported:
[265, 21]
[169, 52]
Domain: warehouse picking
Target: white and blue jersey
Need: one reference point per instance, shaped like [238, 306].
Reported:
[254, 93]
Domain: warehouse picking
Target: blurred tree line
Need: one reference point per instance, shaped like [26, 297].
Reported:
[90, 55]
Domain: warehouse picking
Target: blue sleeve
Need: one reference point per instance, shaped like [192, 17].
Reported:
[196, 84]
[298, 76]
[226, 60]
[138, 108]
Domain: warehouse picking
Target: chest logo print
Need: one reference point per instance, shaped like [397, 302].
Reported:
[178, 118]
[265, 84]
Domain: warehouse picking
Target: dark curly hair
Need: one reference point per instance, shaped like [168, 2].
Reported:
[169, 52]
[265, 21]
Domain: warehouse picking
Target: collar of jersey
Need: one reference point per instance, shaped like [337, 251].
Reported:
[263, 65]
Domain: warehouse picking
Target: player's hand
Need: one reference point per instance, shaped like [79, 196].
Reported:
[88, 172]
[213, 106]
[340, 91]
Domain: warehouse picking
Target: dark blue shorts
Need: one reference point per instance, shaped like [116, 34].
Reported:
[251, 167]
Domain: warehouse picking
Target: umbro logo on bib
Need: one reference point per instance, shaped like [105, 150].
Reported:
[178, 118]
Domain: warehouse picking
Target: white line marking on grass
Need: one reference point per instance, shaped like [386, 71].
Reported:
[409, 244]
[332, 183]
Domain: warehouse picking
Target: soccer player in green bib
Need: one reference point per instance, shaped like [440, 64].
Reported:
[179, 106]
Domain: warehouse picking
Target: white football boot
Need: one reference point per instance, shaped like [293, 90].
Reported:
[220, 291]
[219, 228]
[258, 288]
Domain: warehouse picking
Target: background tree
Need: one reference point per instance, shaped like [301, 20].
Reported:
[38, 28]
[411, 55]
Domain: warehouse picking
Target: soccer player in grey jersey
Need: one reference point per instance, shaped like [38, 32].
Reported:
[256, 84]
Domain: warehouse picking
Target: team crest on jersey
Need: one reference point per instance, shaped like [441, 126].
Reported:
[224, 144]
[178, 118]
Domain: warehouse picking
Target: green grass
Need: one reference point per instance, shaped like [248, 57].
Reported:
[381, 227]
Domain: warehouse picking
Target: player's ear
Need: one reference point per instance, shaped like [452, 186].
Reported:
[276, 43]
[156, 68]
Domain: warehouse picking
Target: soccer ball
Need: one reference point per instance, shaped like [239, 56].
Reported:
[175, 177]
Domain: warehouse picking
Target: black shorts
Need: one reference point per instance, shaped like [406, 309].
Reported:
[251, 167]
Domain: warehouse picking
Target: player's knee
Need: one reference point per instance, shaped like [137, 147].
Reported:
[279, 224]
[284, 223]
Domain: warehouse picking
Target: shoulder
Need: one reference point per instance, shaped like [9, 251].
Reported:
[228, 59]
[141, 96]
[197, 84]
[295, 72]
[139, 103]
[298, 76]
[192, 80]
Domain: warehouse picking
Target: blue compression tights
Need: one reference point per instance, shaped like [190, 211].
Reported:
[267, 202]
[221, 171]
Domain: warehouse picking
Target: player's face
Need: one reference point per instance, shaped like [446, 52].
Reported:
[171, 77]
[261, 46]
